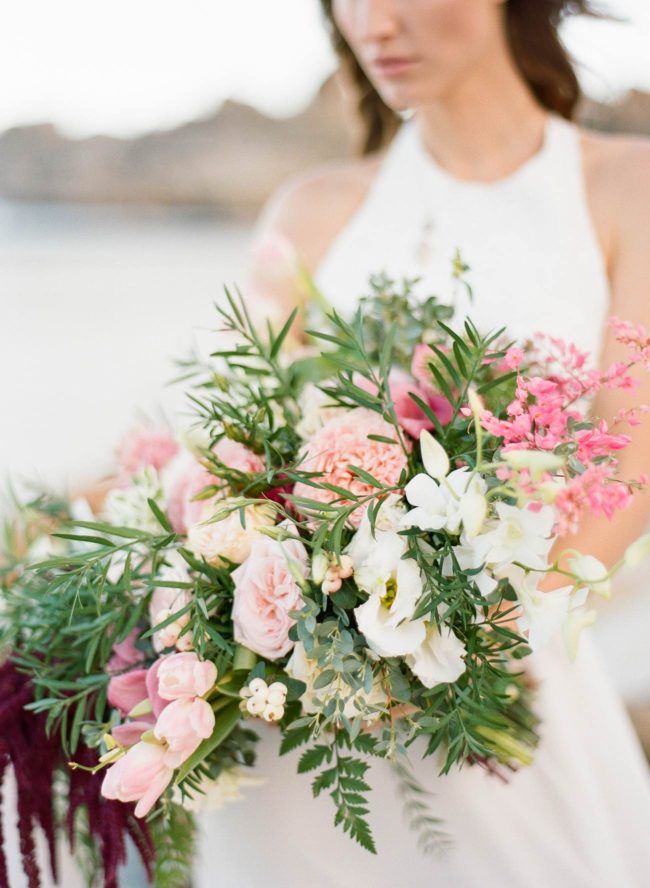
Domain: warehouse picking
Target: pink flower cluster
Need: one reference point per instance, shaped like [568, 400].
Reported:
[343, 442]
[158, 743]
[544, 413]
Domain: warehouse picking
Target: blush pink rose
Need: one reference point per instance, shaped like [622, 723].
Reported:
[146, 446]
[127, 690]
[139, 776]
[182, 726]
[265, 593]
[184, 675]
[344, 441]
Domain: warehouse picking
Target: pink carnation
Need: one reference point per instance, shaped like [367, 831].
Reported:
[344, 441]
[265, 592]
[146, 446]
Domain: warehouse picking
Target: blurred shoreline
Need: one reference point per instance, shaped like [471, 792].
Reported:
[229, 161]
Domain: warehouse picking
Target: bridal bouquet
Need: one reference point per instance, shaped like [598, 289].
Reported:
[347, 542]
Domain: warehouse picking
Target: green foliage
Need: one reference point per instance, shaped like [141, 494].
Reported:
[174, 838]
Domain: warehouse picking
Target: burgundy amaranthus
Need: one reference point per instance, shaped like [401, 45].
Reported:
[35, 758]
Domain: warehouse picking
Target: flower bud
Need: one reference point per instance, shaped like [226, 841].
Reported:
[434, 456]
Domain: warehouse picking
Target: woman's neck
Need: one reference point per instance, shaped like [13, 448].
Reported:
[486, 127]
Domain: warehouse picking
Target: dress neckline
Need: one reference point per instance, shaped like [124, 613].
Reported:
[431, 167]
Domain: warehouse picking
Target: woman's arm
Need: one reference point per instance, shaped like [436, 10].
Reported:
[629, 206]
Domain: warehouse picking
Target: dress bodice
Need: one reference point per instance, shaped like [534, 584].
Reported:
[528, 239]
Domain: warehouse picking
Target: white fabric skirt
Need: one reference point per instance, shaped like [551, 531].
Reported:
[579, 817]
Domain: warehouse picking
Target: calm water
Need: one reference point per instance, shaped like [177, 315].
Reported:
[95, 303]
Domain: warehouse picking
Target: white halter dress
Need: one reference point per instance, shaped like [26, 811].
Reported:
[579, 817]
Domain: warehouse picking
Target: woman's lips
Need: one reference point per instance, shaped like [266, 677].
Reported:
[393, 66]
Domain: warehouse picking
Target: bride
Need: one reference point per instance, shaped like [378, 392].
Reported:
[469, 145]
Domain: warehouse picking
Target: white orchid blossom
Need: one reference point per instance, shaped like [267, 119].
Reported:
[458, 500]
[440, 659]
[592, 573]
[544, 613]
[517, 534]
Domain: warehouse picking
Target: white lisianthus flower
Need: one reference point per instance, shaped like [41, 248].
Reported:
[458, 500]
[394, 586]
[592, 573]
[214, 794]
[519, 535]
[227, 539]
[316, 408]
[440, 659]
[129, 507]
[302, 668]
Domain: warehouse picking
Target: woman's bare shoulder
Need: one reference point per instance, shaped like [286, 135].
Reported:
[311, 208]
[619, 165]
[617, 169]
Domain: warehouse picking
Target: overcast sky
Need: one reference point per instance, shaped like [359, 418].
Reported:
[126, 66]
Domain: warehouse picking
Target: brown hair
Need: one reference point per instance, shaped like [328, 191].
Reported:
[532, 34]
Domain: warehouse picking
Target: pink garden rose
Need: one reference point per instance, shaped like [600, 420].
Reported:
[182, 726]
[127, 690]
[343, 441]
[146, 446]
[265, 593]
[139, 776]
[238, 457]
[183, 675]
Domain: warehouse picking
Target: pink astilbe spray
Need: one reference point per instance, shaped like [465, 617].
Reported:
[547, 414]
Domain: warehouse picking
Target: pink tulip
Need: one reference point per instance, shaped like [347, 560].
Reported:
[181, 726]
[409, 415]
[125, 653]
[139, 776]
[157, 702]
[182, 675]
[127, 690]
[130, 732]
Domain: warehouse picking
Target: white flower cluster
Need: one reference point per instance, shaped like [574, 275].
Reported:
[263, 700]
